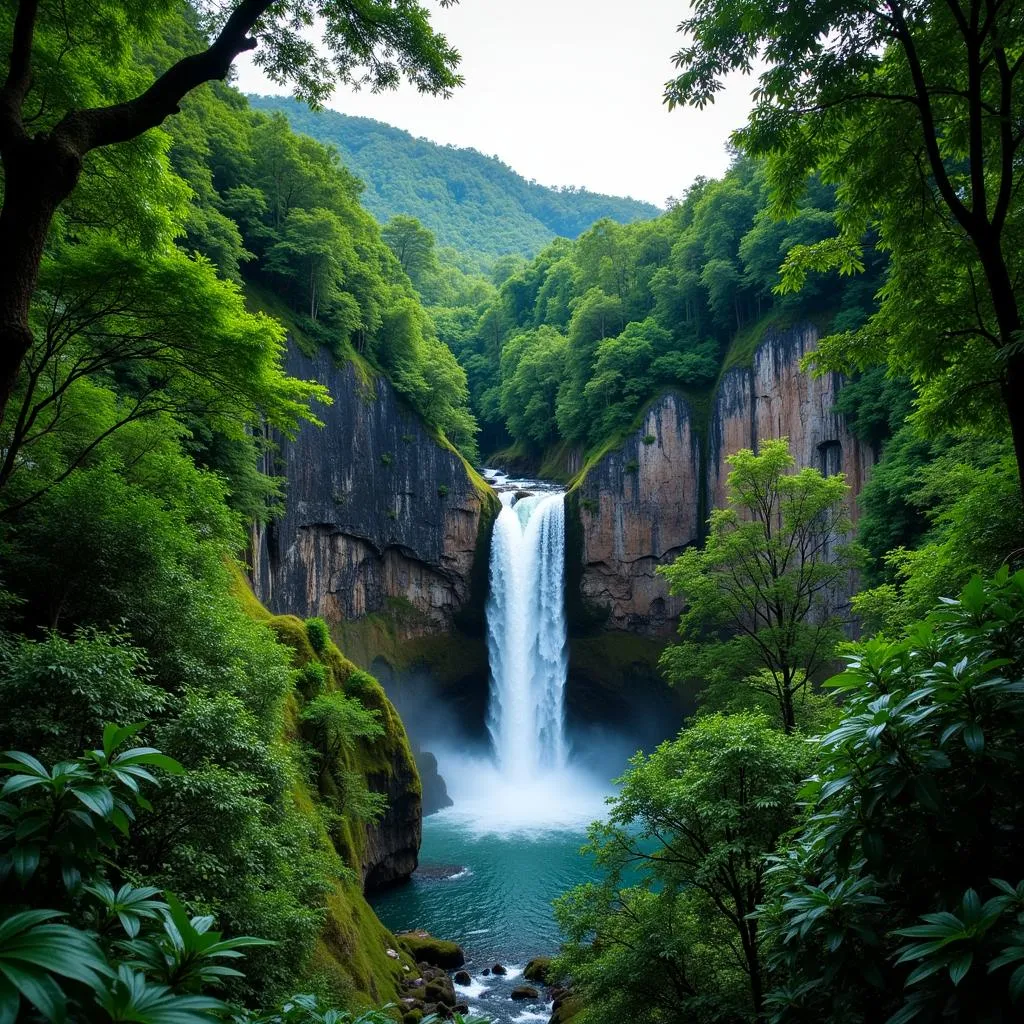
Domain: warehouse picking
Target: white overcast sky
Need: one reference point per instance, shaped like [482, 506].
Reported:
[567, 92]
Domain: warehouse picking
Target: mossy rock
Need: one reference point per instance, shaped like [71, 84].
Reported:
[568, 1008]
[539, 970]
[350, 963]
[426, 949]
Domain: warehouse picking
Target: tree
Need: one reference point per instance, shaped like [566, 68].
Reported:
[901, 892]
[694, 823]
[314, 249]
[940, 86]
[46, 136]
[767, 584]
[162, 328]
[413, 246]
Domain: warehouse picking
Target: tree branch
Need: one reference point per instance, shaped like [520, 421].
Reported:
[89, 129]
[19, 73]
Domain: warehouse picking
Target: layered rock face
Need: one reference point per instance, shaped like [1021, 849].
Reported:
[775, 398]
[638, 507]
[377, 509]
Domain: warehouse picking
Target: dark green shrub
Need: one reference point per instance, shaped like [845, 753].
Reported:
[649, 439]
[902, 894]
[631, 467]
[319, 634]
[442, 490]
[310, 679]
[386, 458]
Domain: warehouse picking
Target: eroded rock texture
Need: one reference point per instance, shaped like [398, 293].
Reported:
[640, 506]
[377, 509]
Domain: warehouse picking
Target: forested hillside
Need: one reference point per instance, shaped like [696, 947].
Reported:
[574, 343]
[472, 202]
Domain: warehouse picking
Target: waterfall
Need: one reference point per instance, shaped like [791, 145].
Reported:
[526, 636]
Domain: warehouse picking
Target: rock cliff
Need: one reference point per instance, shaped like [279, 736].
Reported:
[638, 506]
[378, 510]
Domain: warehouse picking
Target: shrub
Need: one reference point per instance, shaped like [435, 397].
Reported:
[649, 439]
[386, 458]
[915, 829]
[442, 490]
[631, 467]
[319, 634]
[310, 679]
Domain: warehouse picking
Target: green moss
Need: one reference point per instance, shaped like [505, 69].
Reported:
[437, 952]
[539, 970]
[569, 1007]
[621, 667]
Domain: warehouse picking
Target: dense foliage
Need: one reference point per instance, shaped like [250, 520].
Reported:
[912, 110]
[473, 203]
[129, 481]
[897, 895]
[576, 341]
[132, 953]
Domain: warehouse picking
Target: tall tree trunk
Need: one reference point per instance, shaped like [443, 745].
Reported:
[1011, 337]
[38, 176]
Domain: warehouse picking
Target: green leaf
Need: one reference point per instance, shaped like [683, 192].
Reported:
[25, 761]
[959, 966]
[974, 738]
[98, 799]
[38, 988]
[16, 783]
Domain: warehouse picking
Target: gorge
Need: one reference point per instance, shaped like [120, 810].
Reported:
[387, 535]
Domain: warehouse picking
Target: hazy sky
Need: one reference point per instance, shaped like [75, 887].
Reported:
[567, 92]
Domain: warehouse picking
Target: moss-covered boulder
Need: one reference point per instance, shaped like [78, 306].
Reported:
[539, 970]
[424, 948]
[566, 1009]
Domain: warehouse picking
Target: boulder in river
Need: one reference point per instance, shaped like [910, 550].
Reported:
[521, 992]
[486, 971]
[441, 991]
[498, 969]
[463, 978]
[539, 970]
[424, 948]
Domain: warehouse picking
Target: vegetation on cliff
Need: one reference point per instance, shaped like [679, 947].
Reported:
[574, 343]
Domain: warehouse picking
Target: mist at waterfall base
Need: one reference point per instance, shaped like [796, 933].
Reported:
[492, 864]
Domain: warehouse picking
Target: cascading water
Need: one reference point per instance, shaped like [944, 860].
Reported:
[526, 636]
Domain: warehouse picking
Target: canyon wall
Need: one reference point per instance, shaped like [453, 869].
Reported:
[378, 510]
[640, 505]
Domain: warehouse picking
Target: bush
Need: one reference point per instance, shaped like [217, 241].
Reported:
[902, 893]
[310, 679]
[319, 634]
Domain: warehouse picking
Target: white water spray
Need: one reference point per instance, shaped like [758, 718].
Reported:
[526, 636]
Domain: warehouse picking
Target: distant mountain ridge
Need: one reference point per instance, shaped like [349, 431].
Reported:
[472, 202]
